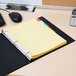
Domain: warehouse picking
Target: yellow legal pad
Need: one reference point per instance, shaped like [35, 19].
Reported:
[35, 38]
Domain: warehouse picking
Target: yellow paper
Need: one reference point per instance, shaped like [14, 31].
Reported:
[36, 38]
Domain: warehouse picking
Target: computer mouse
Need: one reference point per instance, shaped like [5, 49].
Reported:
[2, 22]
[15, 17]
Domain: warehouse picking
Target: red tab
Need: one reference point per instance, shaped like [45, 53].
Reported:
[38, 20]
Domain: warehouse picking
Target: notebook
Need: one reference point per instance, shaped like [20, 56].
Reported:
[29, 41]
[33, 38]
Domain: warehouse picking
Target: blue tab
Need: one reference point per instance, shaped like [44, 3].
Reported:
[46, 24]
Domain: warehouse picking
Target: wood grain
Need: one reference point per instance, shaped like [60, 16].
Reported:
[69, 3]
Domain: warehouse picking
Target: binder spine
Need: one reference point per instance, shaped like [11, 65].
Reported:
[15, 43]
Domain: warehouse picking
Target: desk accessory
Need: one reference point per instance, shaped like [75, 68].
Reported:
[25, 5]
[2, 22]
[14, 6]
[14, 16]
[73, 18]
[15, 55]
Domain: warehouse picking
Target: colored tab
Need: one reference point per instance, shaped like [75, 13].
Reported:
[46, 24]
[38, 20]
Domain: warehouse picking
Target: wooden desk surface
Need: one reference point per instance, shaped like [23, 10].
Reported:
[59, 63]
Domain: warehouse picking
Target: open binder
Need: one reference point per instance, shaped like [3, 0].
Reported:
[14, 56]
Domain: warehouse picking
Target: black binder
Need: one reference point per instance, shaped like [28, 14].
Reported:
[12, 59]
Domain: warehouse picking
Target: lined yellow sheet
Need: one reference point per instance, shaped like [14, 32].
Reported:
[36, 38]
